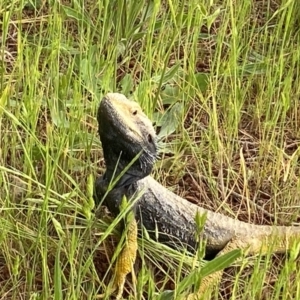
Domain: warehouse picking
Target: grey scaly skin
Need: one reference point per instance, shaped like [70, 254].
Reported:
[125, 131]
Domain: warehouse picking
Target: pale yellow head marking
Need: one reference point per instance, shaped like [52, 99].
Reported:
[132, 114]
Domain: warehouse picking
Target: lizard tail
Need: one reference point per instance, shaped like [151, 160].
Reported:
[263, 239]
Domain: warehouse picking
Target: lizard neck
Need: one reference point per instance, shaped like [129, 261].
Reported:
[117, 163]
[112, 199]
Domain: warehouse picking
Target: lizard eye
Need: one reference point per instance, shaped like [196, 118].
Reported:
[134, 112]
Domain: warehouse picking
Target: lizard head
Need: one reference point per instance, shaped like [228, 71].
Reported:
[126, 133]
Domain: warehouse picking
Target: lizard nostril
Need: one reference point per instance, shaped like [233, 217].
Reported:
[150, 138]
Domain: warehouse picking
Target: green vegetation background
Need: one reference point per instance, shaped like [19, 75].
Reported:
[220, 79]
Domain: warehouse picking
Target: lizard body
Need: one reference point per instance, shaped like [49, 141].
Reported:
[125, 132]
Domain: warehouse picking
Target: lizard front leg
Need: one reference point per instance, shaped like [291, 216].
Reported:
[127, 256]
